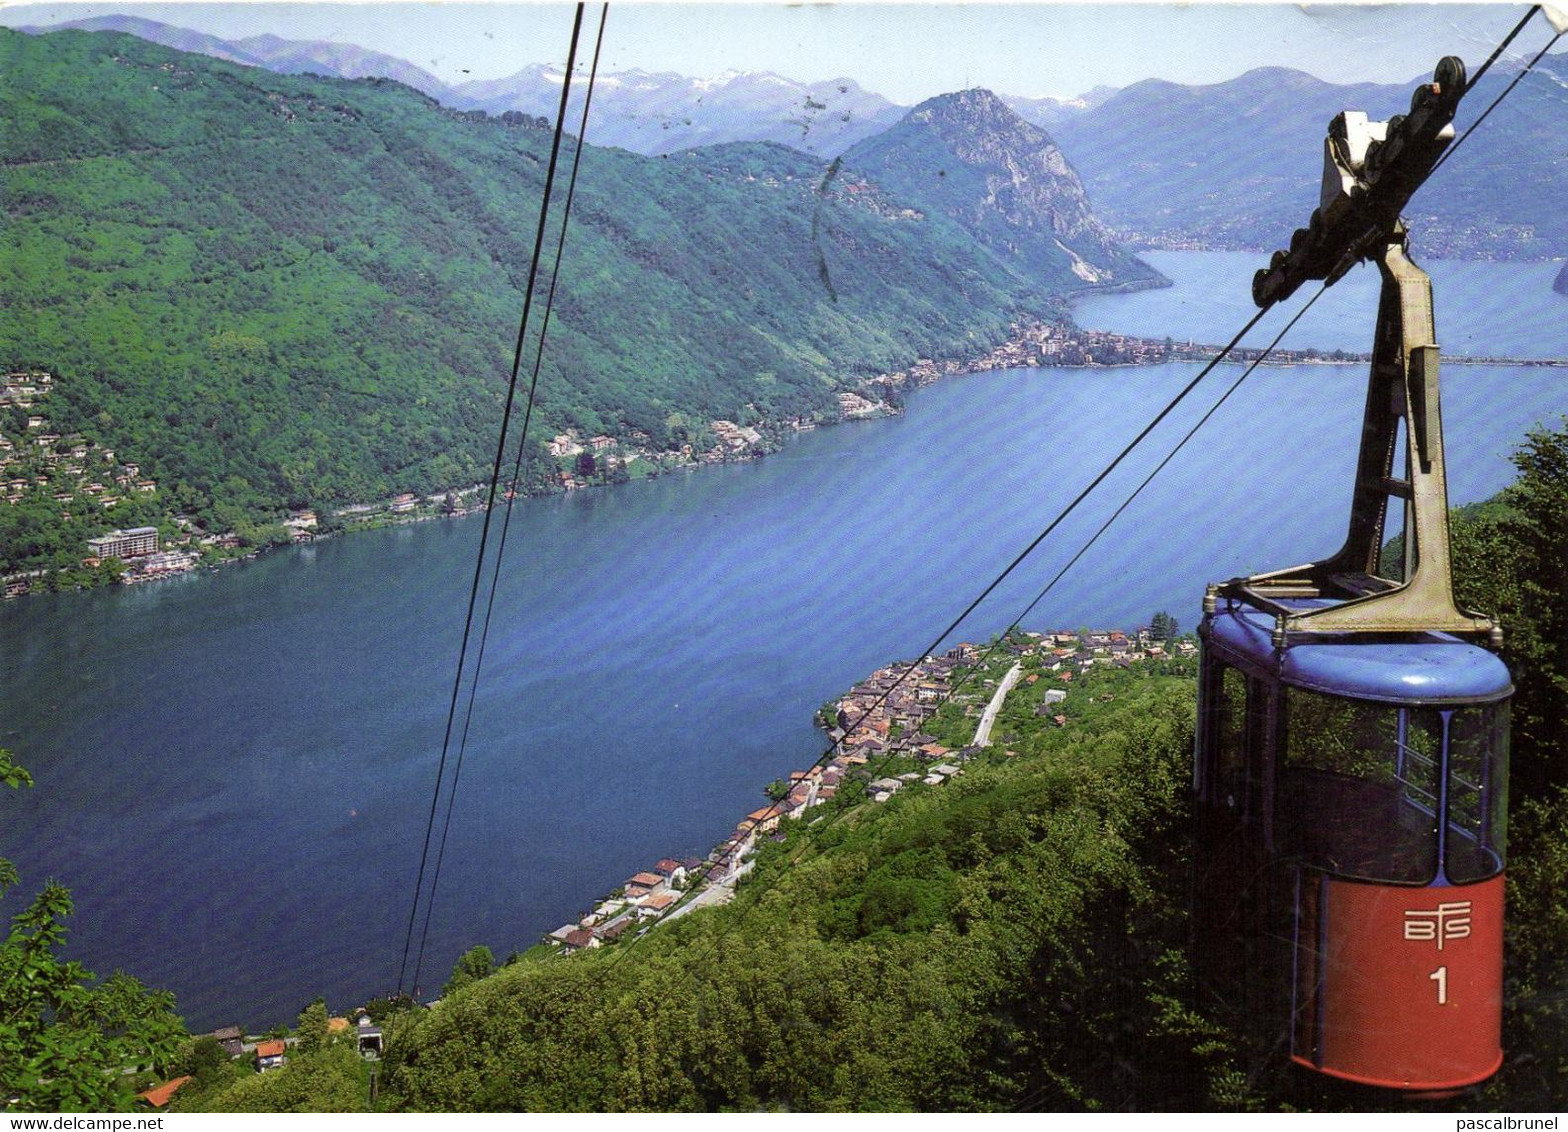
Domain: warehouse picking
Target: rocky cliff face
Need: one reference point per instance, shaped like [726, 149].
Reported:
[1560, 285]
[971, 158]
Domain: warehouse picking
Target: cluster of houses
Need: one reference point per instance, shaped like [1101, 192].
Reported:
[854, 406]
[70, 468]
[731, 441]
[139, 549]
[273, 1053]
[860, 737]
[1050, 344]
[644, 897]
[883, 714]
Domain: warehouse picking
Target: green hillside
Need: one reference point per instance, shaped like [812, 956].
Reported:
[275, 290]
[1017, 938]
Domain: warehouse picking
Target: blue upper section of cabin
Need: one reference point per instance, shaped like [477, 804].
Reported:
[1425, 668]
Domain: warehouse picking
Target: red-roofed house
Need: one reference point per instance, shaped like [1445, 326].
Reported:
[271, 1055]
[160, 1096]
[766, 819]
[657, 904]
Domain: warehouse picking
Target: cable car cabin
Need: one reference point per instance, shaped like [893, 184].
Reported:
[1353, 795]
[1351, 770]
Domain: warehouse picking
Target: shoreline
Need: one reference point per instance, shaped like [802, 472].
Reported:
[887, 733]
[1032, 344]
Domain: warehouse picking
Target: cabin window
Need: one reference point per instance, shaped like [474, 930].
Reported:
[1230, 748]
[1477, 793]
[1359, 792]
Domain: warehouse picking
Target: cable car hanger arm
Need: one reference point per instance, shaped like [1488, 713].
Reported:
[1371, 169]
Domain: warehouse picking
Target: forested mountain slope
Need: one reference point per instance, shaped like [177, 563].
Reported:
[273, 289]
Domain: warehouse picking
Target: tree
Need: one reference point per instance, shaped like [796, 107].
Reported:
[777, 790]
[1162, 627]
[205, 1058]
[381, 1009]
[1511, 560]
[476, 963]
[328, 1082]
[65, 1045]
[311, 1031]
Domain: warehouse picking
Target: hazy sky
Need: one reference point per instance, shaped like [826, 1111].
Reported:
[905, 52]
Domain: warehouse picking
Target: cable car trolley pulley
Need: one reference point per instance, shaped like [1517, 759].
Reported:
[1351, 766]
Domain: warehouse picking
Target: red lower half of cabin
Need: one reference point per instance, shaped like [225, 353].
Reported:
[1397, 986]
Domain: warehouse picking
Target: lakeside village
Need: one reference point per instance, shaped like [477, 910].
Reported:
[911, 725]
[887, 736]
[87, 486]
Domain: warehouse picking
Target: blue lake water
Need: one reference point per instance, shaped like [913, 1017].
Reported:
[234, 769]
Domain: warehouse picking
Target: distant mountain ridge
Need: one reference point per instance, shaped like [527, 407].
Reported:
[1238, 164]
[275, 290]
[637, 110]
[665, 112]
[339, 60]
[1230, 165]
[283, 56]
[645, 112]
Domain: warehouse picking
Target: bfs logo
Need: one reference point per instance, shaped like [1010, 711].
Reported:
[1447, 921]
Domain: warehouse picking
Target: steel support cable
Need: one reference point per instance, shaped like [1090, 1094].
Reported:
[1084, 549]
[1050, 527]
[1496, 102]
[1023, 1106]
[1160, 467]
[724, 934]
[511, 494]
[1218, 358]
[495, 477]
[1056, 522]
[1501, 47]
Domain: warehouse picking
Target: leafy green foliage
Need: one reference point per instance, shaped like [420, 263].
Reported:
[285, 290]
[311, 1029]
[1511, 559]
[473, 965]
[332, 1078]
[1007, 940]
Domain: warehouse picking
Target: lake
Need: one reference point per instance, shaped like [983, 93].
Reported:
[234, 769]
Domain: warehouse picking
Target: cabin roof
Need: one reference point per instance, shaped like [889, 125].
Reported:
[1410, 668]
